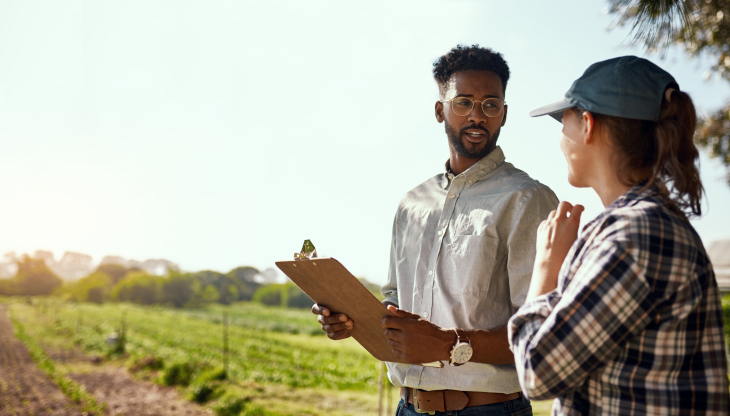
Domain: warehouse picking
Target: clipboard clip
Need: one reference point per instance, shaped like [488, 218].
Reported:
[308, 251]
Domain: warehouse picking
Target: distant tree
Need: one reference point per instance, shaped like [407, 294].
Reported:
[209, 294]
[269, 294]
[113, 270]
[95, 295]
[96, 287]
[238, 284]
[701, 28]
[286, 295]
[73, 265]
[296, 298]
[35, 278]
[180, 289]
[138, 287]
[245, 280]
[8, 287]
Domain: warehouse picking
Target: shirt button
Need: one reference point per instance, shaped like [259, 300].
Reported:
[430, 272]
[440, 233]
[470, 181]
[452, 196]
[425, 314]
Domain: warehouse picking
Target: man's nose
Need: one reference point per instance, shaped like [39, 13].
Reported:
[477, 114]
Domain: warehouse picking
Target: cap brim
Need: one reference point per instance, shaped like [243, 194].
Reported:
[554, 110]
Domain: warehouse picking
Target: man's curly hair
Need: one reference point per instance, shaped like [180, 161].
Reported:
[463, 58]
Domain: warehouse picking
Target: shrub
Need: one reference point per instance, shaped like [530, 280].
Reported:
[178, 374]
[147, 363]
[201, 392]
[215, 374]
[230, 406]
[256, 410]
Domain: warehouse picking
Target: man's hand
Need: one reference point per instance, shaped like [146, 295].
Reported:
[337, 326]
[416, 340]
[555, 236]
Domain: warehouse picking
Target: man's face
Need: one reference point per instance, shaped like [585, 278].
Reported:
[474, 135]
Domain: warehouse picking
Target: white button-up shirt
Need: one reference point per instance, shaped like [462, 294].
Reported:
[462, 254]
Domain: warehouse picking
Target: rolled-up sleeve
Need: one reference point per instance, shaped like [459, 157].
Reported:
[560, 339]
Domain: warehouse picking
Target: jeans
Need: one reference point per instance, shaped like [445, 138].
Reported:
[517, 407]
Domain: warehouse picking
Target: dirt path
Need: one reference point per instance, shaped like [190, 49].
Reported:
[126, 396]
[24, 389]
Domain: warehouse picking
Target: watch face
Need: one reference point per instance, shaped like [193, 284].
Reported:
[462, 353]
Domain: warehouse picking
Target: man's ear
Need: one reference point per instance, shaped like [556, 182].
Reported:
[504, 116]
[439, 111]
[589, 127]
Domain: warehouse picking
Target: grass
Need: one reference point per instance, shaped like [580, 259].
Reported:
[279, 363]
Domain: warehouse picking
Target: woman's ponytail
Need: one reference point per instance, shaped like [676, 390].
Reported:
[677, 155]
[661, 151]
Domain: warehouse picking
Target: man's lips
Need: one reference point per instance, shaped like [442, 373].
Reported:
[475, 135]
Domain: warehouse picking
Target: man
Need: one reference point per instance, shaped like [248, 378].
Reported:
[462, 253]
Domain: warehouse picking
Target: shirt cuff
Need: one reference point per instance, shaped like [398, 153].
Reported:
[393, 300]
[530, 317]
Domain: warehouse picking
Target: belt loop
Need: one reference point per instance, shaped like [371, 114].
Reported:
[407, 397]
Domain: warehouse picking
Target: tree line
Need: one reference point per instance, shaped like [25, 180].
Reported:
[117, 283]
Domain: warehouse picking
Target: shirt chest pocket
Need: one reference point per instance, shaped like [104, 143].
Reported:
[467, 263]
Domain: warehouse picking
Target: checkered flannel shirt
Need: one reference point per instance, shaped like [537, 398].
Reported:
[635, 325]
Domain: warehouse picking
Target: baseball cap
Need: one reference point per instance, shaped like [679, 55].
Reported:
[628, 87]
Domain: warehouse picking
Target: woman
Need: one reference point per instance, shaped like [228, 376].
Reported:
[626, 318]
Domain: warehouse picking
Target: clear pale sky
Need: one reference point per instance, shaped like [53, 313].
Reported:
[223, 133]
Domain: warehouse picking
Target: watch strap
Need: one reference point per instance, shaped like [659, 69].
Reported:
[460, 335]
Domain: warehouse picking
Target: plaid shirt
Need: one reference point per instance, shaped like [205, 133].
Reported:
[635, 324]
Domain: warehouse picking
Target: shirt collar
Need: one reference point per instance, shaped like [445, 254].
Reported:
[634, 195]
[478, 171]
[638, 192]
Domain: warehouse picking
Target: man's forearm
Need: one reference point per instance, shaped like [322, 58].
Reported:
[490, 346]
[424, 339]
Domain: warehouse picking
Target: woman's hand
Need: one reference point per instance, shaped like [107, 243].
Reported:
[555, 236]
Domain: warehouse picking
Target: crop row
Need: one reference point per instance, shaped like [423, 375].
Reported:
[255, 354]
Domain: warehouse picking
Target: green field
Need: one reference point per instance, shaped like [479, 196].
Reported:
[278, 359]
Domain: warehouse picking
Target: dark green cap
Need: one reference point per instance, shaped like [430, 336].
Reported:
[628, 87]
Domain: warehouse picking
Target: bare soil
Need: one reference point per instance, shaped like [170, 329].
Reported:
[26, 390]
[127, 396]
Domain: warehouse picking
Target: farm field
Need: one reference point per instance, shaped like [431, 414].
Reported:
[278, 363]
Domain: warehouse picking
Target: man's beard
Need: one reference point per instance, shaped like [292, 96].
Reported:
[471, 150]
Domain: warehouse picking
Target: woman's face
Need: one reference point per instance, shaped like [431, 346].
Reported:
[572, 143]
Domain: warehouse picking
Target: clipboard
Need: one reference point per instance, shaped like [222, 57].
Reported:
[327, 282]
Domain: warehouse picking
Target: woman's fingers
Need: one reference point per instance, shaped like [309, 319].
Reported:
[563, 208]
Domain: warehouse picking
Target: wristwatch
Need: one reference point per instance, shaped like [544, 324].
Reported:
[461, 352]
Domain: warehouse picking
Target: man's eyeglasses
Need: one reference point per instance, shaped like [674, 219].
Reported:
[462, 106]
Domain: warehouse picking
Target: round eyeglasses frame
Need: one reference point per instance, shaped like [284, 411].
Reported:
[482, 102]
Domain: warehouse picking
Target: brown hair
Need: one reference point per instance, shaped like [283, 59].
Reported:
[661, 151]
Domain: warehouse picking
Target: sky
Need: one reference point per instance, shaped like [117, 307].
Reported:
[218, 133]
